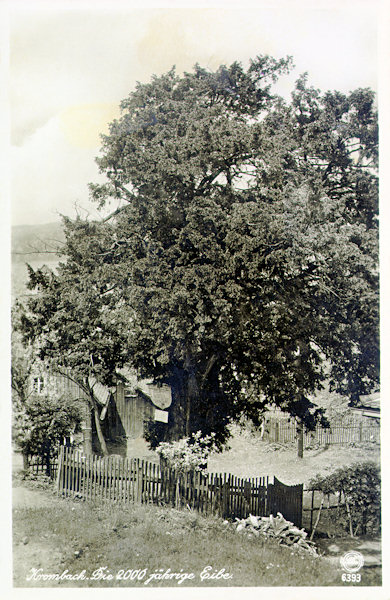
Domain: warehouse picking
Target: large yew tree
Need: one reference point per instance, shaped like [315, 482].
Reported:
[239, 264]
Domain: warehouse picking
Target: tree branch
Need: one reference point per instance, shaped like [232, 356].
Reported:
[113, 214]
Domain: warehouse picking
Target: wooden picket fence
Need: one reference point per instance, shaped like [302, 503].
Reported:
[133, 480]
[283, 432]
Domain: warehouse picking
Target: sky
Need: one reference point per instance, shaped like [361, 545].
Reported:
[70, 66]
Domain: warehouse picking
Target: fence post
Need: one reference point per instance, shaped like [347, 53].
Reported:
[300, 438]
[312, 509]
[59, 469]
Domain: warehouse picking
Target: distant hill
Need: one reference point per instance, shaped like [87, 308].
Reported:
[35, 245]
[28, 240]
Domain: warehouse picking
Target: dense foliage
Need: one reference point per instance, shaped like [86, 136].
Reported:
[361, 486]
[42, 422]
[241, 259]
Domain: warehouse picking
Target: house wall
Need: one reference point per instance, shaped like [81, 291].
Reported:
[127, 416]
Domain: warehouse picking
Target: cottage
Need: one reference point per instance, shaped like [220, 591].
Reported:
[123, 408]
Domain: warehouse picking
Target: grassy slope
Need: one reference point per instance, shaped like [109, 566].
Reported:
[77, 536]
[48, 532]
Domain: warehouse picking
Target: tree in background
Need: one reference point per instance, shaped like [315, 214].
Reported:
[242, 257]
[72, 318]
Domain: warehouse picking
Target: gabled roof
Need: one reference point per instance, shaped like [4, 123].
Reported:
[101, 392]
[160, 395]
[369, 402]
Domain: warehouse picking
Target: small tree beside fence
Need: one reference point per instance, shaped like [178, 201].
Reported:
[39, 426]
[357, 491]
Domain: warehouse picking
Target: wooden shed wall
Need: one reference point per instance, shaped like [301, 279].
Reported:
[132, 411]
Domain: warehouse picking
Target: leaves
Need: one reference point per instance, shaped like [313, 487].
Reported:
[187, 454]
[360, 485]
[240, 263]
[42, 422]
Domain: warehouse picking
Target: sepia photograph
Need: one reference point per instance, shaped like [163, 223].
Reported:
[194, 311]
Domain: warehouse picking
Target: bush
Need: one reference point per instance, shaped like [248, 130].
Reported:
[42, 422]
[360, 486]
[154, 432]
[187, 454]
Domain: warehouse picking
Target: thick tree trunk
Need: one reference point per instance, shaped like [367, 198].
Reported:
[192, 395]
[188, 416]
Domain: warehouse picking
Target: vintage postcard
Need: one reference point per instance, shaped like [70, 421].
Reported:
[193, 351]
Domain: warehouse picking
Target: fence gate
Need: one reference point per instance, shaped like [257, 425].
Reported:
[286, 499]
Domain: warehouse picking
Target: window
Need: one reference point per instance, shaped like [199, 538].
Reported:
[38, 385]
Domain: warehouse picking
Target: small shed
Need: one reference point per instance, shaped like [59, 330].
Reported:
[129, 407]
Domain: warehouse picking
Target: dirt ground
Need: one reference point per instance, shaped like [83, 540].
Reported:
[250, 457]
[38, 551]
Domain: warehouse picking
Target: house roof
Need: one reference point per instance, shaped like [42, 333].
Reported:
[160, 395]
[369, 402]
[101, 392]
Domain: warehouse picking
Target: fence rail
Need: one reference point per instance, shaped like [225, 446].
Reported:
[279, 431]
[133, 480]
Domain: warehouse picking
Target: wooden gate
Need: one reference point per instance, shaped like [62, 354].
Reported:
[286, 499]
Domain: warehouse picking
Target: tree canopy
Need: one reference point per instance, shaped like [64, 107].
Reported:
[240, 263]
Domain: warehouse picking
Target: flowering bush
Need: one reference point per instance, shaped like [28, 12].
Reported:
[187, 454]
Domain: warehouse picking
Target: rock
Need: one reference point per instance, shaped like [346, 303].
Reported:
[334, 548]
[25, 540]
[78, 553]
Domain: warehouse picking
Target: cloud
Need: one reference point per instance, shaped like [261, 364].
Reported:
[70, 69]
[83, 124]
[64, 58]
[50, 175]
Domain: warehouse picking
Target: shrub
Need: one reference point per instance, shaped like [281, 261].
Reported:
[42, 422]
[360, 486]
[154, 432]
[187, 454]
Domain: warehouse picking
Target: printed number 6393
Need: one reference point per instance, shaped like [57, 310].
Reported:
[353, 577]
